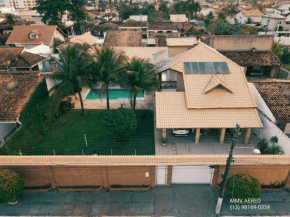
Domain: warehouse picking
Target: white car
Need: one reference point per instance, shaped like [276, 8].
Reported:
[180, 132]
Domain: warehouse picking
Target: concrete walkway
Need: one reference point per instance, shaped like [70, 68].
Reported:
[178, 200]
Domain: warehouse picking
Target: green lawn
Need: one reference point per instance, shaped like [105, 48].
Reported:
[66, 136]
[286, 66]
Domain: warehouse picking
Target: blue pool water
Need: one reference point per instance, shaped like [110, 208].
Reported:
[117, 94]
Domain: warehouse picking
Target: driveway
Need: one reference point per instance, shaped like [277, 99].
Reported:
[178, 200]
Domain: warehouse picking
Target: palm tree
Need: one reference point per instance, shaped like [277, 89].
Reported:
[75, 69]
[108, 63]
[139, 76]
[10, 19]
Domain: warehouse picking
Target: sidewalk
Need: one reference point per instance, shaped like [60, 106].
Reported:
[178, 200]
[272, 204]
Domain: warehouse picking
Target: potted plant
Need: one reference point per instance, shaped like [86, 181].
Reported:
[163, 141]
[274, 140]
[11, 185]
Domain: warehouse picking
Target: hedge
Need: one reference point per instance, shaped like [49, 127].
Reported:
[36, 117]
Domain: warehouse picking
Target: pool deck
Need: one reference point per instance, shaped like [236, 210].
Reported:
[147, 103]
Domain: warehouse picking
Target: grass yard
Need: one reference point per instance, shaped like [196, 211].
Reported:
[286, 66]
[66, 136]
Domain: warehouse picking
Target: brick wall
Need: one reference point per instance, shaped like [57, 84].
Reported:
[85, 178]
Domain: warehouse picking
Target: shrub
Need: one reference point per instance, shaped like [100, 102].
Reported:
[121, 122]
[263, 145]
[274, 139]
[274, 149]
[11, 185]
[244, 186]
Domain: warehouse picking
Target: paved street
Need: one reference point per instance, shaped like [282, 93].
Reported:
[179, 200]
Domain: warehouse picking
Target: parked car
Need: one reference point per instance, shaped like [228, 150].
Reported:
[180, 132]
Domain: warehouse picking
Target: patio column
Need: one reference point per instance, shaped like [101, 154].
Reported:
[222, 136]
[163, 133]
[197, 132]
[247, 137]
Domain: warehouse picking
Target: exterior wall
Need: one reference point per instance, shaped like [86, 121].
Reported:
[57, 35]
[17, 4]
[85, 178]
[264, 173]
[180, 82]
[5, 129]
[241, 42]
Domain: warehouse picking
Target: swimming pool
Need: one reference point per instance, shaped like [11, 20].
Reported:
[115, 94]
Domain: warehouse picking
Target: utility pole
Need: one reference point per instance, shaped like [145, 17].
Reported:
[228, 166]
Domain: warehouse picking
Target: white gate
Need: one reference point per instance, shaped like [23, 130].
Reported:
[191, 175]
[161, 175]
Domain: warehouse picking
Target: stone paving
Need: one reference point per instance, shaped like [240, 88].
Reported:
[208, 145]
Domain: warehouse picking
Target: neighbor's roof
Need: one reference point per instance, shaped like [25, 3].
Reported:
[274, 16]
[134, 23]
[141, 52]
[20, 34]
[250, 58]
[276, 94]
[195, 84]
[252, 13]
[16, 89]
[26, 60]
[120, 38]
[81, 39]
[7, 54]
[161, 26]
[171, 112]
[186, 41]
[178, 18]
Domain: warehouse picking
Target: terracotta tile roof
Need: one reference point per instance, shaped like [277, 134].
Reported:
[134, 23]
[250, 58]
[171, 112]
[195, 84]
[161, 26]
[276, 94]
[26, 60]
[8, 54]
[16, 90]
[252, 13]
[120, 38]
[163, 160]
[20, 34]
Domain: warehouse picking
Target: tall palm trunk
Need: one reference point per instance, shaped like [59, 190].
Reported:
[82, 103]
[134, 102]
[107, 94]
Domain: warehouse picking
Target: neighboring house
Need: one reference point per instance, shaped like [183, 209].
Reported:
[101, 29]
[271, 11]
[17, 59]
[276, 95]
[31, 16]
[255, 15]
[87, 38]
[139, 17]
[178, 45]
[254, 53]
[275, 22]
[134, 25]
[211, 93]
[205, 11]
[178, 18]
[31, 36]
[160, 29]
[119, 38]
[16, 90]
[40, 49]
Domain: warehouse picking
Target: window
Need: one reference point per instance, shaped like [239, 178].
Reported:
[32, 35]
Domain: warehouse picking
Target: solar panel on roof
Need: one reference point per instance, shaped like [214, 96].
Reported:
[187, 67]
[206, 67]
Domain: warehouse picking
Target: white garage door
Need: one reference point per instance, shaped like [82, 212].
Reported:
[191, 175]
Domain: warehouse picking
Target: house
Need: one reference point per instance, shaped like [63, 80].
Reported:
[211, 93]
[254, 53]
[31, 16]
[87, 38]
[103, 28]
[160, 30]
[31, 36]
[252, 15]
[16, 89]
[139, 17]
[178, 18]
[275, 22]
[178, 45]
[276, 95]
[119, 38]
[134, 25]
[17, 59]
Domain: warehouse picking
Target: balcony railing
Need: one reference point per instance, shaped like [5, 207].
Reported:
[167, 85]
